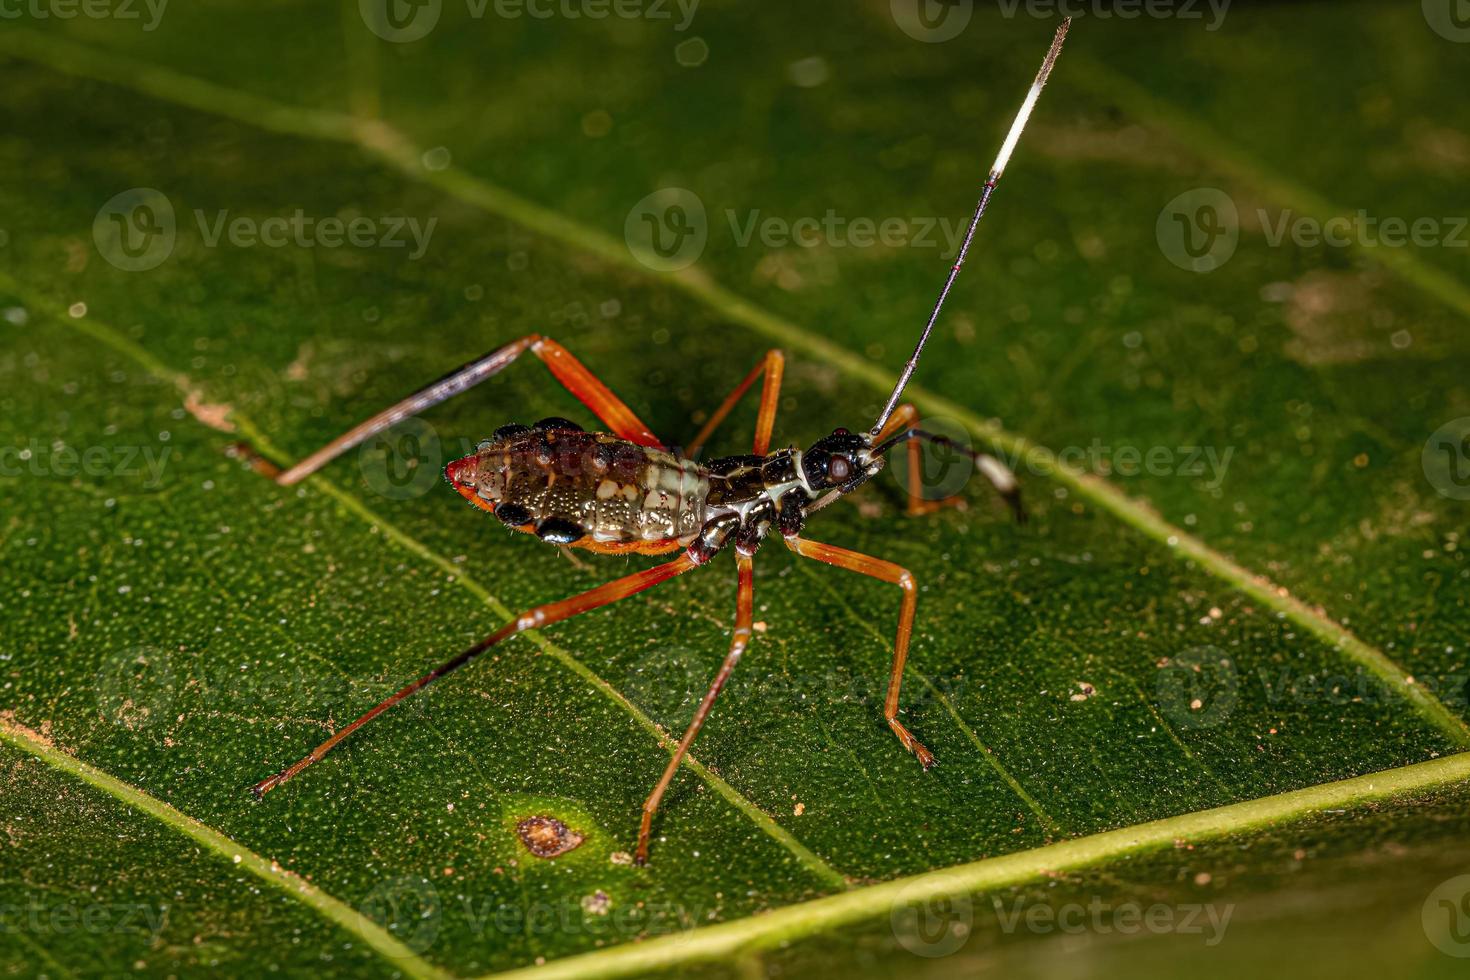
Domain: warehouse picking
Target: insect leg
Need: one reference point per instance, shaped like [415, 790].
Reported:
[903, 428]
[772, 366]
[563, 366]
[901, 577]
[739, 640]
[903, 417]
[534, 618]
[618, 417]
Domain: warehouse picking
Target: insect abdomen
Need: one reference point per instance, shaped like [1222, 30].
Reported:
[586, 489]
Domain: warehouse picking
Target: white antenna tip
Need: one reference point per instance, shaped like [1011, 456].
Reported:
[1019, 124]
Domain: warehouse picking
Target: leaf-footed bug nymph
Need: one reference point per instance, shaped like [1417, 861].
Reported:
[625, 492]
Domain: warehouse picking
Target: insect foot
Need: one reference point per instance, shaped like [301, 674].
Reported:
[925, 757]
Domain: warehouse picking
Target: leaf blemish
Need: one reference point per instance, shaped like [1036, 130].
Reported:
[547, 837]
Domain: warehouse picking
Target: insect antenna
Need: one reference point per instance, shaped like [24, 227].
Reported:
[1001, 158]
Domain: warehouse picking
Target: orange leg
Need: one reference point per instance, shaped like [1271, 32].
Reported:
[772, 366]
[618, 417]
[739, 640]
[901, 577]
[534, 618]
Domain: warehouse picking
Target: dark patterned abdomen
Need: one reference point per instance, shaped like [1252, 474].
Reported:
[587, 489]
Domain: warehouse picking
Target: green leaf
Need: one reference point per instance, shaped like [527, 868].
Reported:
[1199, 651]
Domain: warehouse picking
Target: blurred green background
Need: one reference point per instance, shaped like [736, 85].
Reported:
[1247, 580]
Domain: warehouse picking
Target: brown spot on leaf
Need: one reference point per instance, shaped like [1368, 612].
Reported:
[547, 837]
[1336, 318]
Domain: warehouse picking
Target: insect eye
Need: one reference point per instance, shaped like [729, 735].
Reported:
[838, 468]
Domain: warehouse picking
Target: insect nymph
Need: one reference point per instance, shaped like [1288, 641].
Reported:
[625, 492]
